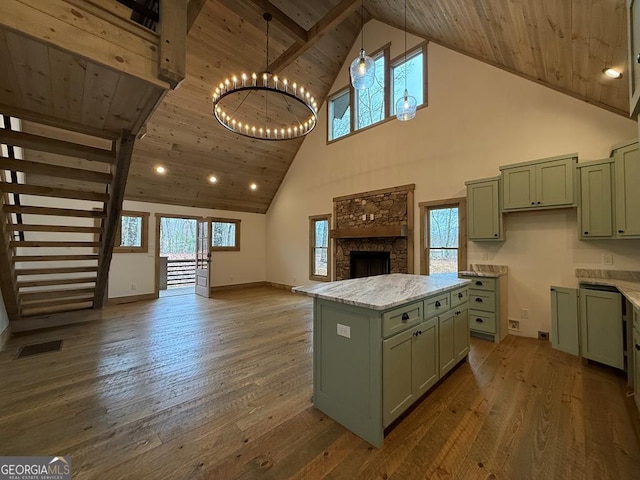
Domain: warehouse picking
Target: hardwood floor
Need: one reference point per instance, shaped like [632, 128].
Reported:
[193, 388]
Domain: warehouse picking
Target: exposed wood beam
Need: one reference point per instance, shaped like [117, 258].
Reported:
[124, 150]
[335, 17]
[193, 10]
[173, 42]
[59, 147]
[37, 168]
[296, 31]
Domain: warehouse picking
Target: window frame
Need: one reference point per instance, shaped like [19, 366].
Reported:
[387, 115]
[330, 98]
[399, 60]
[144, 234]
[236, 247]
[425, 208]
[384, 53]
[312, 246]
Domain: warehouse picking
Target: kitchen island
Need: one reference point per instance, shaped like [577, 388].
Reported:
[380, 343]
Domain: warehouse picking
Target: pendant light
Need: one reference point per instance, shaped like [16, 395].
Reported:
[406, 105]
[363, 68]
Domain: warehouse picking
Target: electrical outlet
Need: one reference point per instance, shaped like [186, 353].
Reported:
[133, 287]
[543, 335]
[514, 325]
[344, 331]
[524, 313]
[607, 259]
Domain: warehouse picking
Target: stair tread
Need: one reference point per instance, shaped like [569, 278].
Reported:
[54, 258]
[62, 212]
[54, 270]
[59, 293]
[59, 281]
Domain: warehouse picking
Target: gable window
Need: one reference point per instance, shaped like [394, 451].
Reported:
[444, 247]
[133, 233]
[339, 114]
[370, 103]
[414, 74]
[319, 248]
[225, 234]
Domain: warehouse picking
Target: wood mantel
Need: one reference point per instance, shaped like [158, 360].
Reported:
[371, 232]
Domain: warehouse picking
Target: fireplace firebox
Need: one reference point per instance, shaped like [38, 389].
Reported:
[367, 264]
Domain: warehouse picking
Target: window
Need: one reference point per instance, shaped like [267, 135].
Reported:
[370, 102]
[349, 110]
[340, 114]
[133, 233]
[225, 234]
[444, 244]
[319, 248]
[415, 78]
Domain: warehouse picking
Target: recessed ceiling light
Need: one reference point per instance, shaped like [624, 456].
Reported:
[161, 170]
[254, 186]
[612, 73]
[213, 179]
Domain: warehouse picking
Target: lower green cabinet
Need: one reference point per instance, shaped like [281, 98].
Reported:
[453, 338]
[461, 333]
[588, 322]
[636, 364]
[409, 369]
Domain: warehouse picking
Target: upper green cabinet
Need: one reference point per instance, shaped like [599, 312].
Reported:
[484, 216]
[546, 183]
[595, 213]
[627, 190]
[633, 16]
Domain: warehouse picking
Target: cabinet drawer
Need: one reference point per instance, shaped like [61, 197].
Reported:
[459, 296]
[481, 300]
[401, 318]
[435, 305]
[482, 283]
[482, 321]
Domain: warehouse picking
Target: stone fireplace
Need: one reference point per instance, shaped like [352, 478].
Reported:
[379, 223]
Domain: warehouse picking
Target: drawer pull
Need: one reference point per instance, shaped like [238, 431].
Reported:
[479, 300]
[460, 295]
[620, 231]
[479, 283]
[405, 316]
[437, 304]
[479, 320]
[637, 347]
[586, 233]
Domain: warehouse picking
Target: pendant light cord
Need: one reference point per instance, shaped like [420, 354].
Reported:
[405, 46]
[362, 25]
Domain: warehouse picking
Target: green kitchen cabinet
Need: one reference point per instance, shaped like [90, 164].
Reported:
[595, 207]
[594, 318]
[546, 183]
[453, 337]
[461, 333]
[636, 363]
[627, 190]
[410, 368]
[484, 214]
[487, 312]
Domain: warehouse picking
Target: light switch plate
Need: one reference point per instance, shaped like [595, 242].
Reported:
[344, 331]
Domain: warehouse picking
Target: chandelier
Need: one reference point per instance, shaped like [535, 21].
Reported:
[264, 106]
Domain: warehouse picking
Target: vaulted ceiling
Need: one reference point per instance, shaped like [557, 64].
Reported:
[563, 44]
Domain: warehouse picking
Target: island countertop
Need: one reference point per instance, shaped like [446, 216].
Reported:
[382, 292]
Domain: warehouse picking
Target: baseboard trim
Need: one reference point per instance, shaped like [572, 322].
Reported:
[5, 336]
[237, 286]
[280, 285]
[145, 297]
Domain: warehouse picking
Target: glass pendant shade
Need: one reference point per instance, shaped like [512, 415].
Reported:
[363, 71]
[406, 107]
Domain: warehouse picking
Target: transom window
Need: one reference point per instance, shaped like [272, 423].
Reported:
[370, 102]
[225, 234]
[414, 74]
[319, 248]
[340, 114]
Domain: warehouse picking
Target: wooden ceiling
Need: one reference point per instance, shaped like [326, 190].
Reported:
[563, 44]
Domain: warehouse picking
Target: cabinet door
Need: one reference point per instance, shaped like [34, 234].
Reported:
[554, 183]
[519, 187]
[565, 333]
[633, 16]
[425, 357]
[595, 217]
[601, 327]
[446, 342]
[636, 366]
[627, 173]
[461, 334]
[484, 220]
[397, 375]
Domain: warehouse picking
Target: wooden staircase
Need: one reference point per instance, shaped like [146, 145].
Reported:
[59, 219]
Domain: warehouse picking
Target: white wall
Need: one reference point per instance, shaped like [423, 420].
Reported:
[479, 117]
[229, 268]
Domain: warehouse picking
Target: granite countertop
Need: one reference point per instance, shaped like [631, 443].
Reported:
[382, 292]
[479, 270]
[627, 282]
